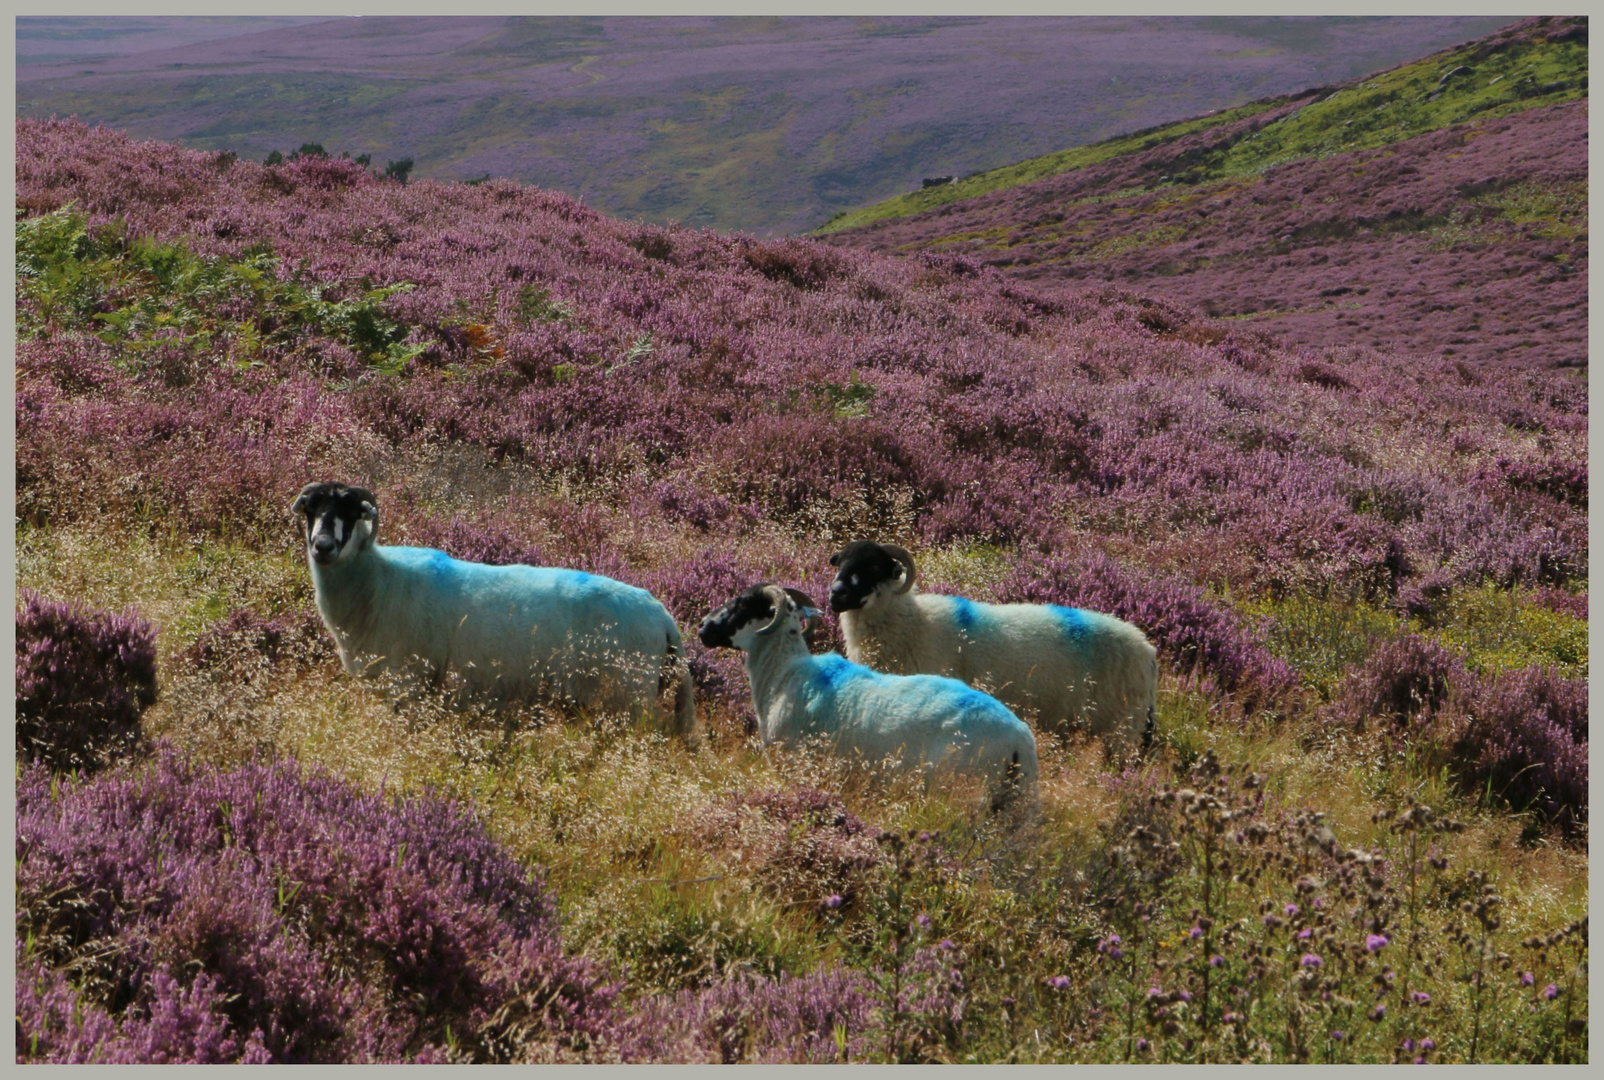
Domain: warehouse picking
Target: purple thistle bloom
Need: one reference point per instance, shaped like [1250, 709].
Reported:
[1408, 1044]
[833, 901]
[922, 920]
[1311, 960]
[1338, 1036]
[1216, 961]
[1115, 953]
[1428, 1044]
[1195, 933]
[1306, 933]
[1527, 978]
[1141, 1045]
[1291, 910]
[1184, 995]
[1550, 991]
[1374, 942]
[1420, 997]
[1377, 1013]
[1059, 982]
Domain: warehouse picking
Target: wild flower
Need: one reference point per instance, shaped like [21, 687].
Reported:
[1550, 992]
[1375, 942]
[1310, 960]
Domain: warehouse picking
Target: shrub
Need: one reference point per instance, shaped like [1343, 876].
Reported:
[83, 678]
[1525, 742]
[1405, 678]
[278, 914]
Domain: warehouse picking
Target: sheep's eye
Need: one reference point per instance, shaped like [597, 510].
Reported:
[854, 579]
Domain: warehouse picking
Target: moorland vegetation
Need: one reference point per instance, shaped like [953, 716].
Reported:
[1359, 837]
[1439, 207]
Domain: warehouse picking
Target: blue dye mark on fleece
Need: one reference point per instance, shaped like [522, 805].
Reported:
[831, 673]
[1074, 622]
[965, 613]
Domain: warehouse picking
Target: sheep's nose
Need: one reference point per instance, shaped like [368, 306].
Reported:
[838, 596]
[324, 546]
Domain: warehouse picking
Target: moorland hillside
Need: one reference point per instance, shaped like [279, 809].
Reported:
[1440, 208]
[763, 124]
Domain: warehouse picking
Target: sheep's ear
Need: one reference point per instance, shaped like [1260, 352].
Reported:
[835, 560]
[299, 505]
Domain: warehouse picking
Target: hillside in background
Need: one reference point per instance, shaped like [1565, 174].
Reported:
[761, 124]
[1437, 208]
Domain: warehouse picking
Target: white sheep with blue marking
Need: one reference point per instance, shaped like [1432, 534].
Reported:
[510, 633]
[925, 722]
[1059, 667]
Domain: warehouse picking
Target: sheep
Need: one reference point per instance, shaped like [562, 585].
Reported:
[936, 725]
[510, 633]
[1057, 666]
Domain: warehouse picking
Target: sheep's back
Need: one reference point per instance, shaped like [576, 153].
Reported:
[516, 619]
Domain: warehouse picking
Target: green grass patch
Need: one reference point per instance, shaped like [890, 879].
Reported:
[143, 296]
[1497, 632]
[1322, 638]
[1034, 169]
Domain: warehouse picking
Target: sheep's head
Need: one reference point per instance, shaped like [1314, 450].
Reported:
[864, 569]
[339, 520]
[758, 612]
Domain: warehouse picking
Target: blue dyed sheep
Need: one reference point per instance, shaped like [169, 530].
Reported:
[925, 722]
[509, 632]
[1058, 667]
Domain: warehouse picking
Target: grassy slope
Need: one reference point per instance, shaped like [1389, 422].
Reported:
[1366, 113]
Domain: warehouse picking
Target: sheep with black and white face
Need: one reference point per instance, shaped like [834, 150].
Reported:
[936, 725]
[1059, 667]
[510, 633]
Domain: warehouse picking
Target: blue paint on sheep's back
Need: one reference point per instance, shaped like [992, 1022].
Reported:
[832, 673]
[966, 614]
[1076, 624]
[447, 570]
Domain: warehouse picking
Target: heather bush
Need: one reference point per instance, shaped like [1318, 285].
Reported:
[1405, 680]
[1524, 743]
[799, 845]
[83, 678]
[305, 921]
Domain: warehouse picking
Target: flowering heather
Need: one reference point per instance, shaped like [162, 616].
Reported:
[273, 914]
[1383, 212]
[520, 379]
[83, 678]
[1525, 741]
[690, 376]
